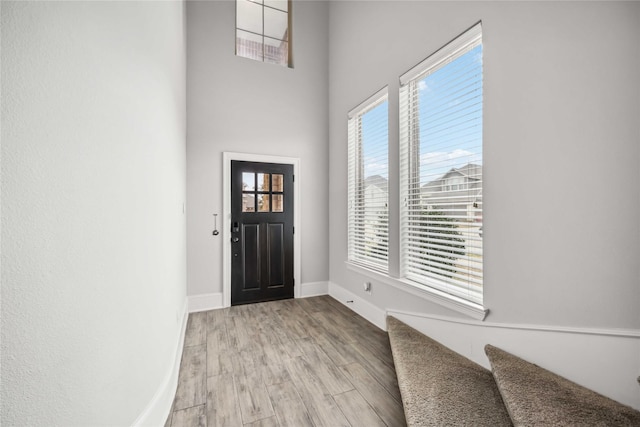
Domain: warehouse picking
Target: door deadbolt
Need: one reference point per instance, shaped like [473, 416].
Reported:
[235, 239]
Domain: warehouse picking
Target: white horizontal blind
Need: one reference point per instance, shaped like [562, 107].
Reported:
[368, 216]
[441, 169]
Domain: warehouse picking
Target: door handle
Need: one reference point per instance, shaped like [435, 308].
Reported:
[235, 239]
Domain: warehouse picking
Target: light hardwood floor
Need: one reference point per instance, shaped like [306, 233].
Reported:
[303, 362]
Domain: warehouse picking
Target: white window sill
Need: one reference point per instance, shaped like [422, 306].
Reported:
[475, 311]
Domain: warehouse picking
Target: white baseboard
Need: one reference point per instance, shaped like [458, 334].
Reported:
[157, 411]
[602, 360]
[364, 308]
[204, 302]
[313, 289]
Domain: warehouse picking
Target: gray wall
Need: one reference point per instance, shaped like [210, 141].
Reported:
[561, 154]
[240, 105]
[93, 231]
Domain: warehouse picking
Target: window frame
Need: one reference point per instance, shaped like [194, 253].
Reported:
[411, 197]
[356, 190]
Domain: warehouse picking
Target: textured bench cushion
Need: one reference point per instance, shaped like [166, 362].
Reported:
[537, 397]
[440, 387]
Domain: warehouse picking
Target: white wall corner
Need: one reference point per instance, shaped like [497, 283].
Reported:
[205, 302]
[364, 308]
[313, 289]
[157, 411]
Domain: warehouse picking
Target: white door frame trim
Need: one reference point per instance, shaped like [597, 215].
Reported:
[227, 157]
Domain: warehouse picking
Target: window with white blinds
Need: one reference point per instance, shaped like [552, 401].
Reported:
[368, 204]
[441, 169]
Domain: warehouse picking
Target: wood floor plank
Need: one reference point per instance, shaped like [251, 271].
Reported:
[253, 398]
[259, 310]
[312, 326]
[216, 318]
[382, 372]
[190, 417]
[334, 327]
[273, 329]
[222, 408]
[358, 412]
[238, 310]
[375, 339]
[288, 406]
[339, 352]
[240, 339]
[381, 349]
[281, 351]
[367, 326]
[330, 330]
[388, 408]
[196, 332]
[345, 349]
[266, 332]
[265, 422]
[310, 305]
[337, 305]
[217, 339]
[222, 363]
[285, 304]
[306, 345]
[322, 409]
[322, 366]
[323, 303]
[345, 323]
[244, 362]
[291, 348]
[340, 315]
[293, 322]
[192, 379]
[273, 369]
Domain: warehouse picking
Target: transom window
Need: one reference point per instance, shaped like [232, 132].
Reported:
[263, 30]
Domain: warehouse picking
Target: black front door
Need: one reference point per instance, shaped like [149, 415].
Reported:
[261, 232]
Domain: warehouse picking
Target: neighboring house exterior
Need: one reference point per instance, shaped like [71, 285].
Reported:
[457, 193]
[376, 190]
[376, 216]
